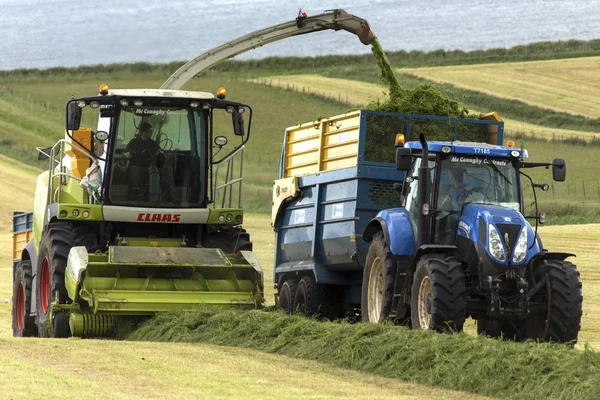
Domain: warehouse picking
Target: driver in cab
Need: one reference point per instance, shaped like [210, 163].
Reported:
[458, 192]
[143, 152]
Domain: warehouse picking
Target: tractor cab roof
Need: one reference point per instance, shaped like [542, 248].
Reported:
[471, 149]
[185, 94]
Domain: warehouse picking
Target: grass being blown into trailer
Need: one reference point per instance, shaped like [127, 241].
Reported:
[468, 363]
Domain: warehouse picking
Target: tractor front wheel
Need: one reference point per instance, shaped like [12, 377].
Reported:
[22, 324]
[438, 297]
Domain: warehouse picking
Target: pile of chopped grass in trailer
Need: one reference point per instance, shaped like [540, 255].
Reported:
[461, 362]
[423, 99]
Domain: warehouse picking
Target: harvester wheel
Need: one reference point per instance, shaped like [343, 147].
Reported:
[55, 245]
[61, 326]
[309, 297]
[378, 281]
[23, 325]
[287, 294]
[438, 297]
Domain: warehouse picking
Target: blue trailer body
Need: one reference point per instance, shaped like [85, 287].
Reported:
[320, 230]
[22, 231]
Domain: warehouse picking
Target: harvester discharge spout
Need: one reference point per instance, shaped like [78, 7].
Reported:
[333, 19]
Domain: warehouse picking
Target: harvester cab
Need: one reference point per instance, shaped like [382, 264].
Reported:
[140, 216]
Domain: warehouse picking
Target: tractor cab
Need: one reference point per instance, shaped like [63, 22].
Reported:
[462, 174]
[157, 148]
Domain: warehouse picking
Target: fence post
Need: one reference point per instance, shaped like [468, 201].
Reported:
[583, 186]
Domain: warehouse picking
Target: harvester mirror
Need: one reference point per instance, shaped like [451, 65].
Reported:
[73, 116]
[238, 121]
[559, 170]
[403, 158]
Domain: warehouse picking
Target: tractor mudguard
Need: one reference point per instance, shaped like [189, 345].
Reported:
[397, 230]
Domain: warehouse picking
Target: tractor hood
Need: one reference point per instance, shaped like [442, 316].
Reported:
[506, 236]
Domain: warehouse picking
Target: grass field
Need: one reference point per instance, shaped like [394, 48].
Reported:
[100, 369]
[569, 85]
[358, 93]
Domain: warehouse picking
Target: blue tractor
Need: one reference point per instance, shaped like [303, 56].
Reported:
[461, 247]
[425, 234]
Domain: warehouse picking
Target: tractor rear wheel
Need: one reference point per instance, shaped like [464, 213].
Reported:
[438, 297]
[309, 297]
[287, 294]
[56, 243]
[378, 281]
[22, 324]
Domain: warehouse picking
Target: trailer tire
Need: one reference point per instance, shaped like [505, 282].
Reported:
[57, 241]
[61, 325]
[23, 325]
[378, 281]
[438, 296]
[309, 298]
[287, 293]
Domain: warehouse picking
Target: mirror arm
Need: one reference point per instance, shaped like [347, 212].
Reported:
[535, 164]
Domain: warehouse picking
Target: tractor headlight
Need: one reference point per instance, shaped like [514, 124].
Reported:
[496, 246]
[521, 247]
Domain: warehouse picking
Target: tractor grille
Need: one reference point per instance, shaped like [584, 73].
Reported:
[513, 234]
[382, 194]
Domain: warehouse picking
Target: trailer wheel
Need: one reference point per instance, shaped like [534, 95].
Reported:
[287, 294]
[22, 324]
[55, 245]
[378, 281]
[309, 297]
[61, 325]
[438, 296]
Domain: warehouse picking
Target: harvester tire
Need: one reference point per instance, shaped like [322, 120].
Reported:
[22, 324]
[57, 241]
[61, 325]
[438, 296]
[378, 281]
[287, 293]
[309, 297]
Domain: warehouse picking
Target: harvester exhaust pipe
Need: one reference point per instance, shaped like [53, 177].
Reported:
[423, 221]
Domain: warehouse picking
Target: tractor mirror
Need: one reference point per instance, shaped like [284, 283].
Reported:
[559, 170]
[403, 158]
[73, 116]
[238, 121]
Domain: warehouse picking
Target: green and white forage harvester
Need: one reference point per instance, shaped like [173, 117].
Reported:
[109, 241]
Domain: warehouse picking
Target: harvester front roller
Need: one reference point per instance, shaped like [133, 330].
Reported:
[129, 281]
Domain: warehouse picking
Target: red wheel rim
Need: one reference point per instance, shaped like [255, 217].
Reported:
[45, 286]
[20, 307]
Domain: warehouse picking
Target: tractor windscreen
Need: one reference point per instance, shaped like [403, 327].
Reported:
[159, 157]
[485, 180]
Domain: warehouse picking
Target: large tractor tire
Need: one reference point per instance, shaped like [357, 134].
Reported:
[378, 281]
[309, 298]
[287, 293]
[22, 324]
[438, 296]
[57, 241]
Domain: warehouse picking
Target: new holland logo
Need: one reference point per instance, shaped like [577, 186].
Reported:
[158, 217]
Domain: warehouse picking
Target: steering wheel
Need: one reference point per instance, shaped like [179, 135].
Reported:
[473, 190]
[164, 142]
[122, 163]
